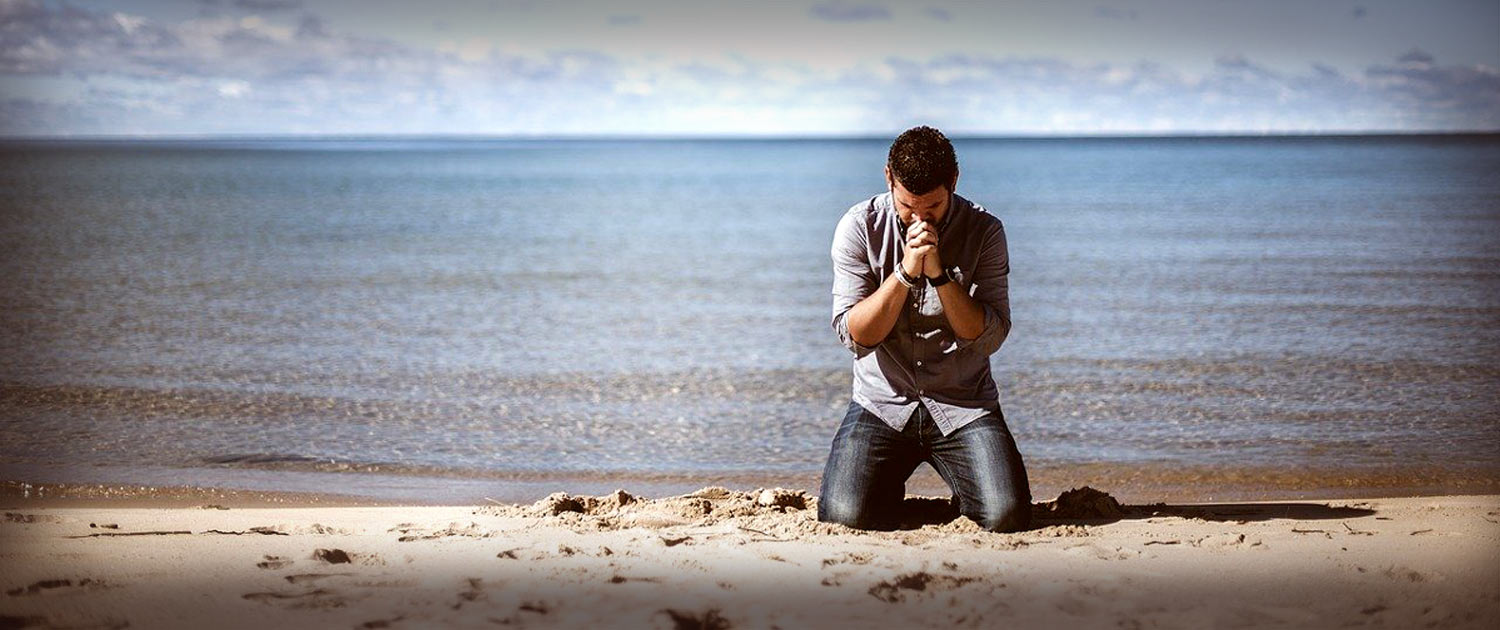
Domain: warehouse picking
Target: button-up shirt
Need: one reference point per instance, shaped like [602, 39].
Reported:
[922, 360]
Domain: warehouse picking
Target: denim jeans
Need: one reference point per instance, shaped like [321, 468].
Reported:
[864, 481]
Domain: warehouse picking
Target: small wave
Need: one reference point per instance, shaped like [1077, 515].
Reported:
[288, 461]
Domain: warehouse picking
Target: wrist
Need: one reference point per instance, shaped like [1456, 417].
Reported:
[905, 278]
[940, 279]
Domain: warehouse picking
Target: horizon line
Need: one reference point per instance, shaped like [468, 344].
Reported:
[725, 136]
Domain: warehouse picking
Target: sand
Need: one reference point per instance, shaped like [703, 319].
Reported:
[718, 558]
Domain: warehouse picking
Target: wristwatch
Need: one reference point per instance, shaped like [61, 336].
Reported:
[940, 280]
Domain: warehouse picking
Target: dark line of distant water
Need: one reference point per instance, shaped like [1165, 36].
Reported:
[480, 139]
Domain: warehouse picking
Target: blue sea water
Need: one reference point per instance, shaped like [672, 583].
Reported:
[413, 314]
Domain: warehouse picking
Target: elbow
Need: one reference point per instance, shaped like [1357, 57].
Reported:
[1002, 331]
[996, 329]
[863, 343]
[1002, 327]
[846, 337]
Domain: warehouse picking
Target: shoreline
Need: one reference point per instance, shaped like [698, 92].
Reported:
[161, 487]
[16, 495]
[722, 558]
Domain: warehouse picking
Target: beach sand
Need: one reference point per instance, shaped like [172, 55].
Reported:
[718, 558]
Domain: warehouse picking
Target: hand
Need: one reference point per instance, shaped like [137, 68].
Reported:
[921, 251]
[921, 243]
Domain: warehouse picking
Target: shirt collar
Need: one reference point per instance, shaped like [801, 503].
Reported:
[948, 216]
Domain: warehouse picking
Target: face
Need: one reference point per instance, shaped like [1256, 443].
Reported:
[930, 207]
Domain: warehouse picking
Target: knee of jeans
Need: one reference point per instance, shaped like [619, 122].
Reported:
[1009, 515]
[832, 510]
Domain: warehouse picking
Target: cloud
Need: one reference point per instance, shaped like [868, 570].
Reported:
[1417, 57]
[268, 5]
[624, 20]
[1417, 85]
[299, 74]
[234, 89]
[1236, 95]
[1114, 13]
[1358, 12]
[840, 11]
[37, 39]
[311, 27]
[938, 13]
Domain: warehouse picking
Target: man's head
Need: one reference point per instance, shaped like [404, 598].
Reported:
[922, 171]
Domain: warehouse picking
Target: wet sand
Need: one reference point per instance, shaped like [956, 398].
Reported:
[719, 558]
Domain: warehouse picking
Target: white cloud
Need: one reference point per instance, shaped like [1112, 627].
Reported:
[234, 89]
[196, 76]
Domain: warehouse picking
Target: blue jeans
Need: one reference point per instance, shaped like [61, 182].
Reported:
[864, 481]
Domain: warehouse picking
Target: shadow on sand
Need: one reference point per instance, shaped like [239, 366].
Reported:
[1087, 506]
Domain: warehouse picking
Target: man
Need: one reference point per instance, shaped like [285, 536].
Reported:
[920, 297]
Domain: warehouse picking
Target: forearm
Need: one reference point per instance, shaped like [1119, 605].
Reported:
[965, 314]
[871, 320]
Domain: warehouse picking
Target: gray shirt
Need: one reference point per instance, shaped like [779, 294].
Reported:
[922, 360]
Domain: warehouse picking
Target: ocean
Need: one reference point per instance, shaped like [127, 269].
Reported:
[449, 319]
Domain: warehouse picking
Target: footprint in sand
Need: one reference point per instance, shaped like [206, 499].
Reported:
[310, 577]
[707, 620]
[468, 530]
[314, 599]
[1404, 574]
[528, 608]
[14, 517]
[339, 556]
[473, 593]
[852, 557]
[1225, 541]
[1102, 553]
[44, 587]
[621, 579]
[837, 578]
[895, 590]
[273, 562]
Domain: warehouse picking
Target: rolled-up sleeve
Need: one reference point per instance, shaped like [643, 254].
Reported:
[853, 279]
[991, 288]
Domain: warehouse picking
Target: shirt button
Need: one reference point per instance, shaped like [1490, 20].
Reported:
[919, 364]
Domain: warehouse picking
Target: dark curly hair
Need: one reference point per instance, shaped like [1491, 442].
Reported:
[922, 159]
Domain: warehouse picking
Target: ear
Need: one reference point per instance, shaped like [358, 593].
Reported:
[953, 186]
[888, 181]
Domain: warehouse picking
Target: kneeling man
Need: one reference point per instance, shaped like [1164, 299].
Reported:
[920, 297]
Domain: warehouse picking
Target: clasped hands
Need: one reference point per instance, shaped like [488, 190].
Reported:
[920, 251]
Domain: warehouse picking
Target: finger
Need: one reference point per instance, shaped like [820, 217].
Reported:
[924, 238]
[923, 250]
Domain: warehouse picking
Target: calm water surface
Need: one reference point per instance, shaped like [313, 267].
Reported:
[475, 318]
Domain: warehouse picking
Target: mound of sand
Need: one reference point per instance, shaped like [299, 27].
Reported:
[777, 512]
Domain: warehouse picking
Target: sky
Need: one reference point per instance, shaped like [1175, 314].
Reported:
[740, 68]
